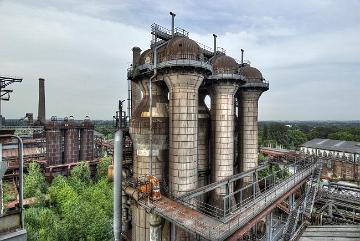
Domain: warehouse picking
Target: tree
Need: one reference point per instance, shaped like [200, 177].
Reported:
[43, 224]
[342, 135]
[80, 176]
[102, 167]
[297, 137]
[34, 181]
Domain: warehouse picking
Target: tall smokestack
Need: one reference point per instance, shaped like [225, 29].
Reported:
[41, 109]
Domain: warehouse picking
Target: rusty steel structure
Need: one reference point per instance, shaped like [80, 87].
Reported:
[205, 155]
[177, 139]
[5, 81]
[69, 141]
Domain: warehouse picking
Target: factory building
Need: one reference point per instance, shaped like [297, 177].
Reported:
[176, 138]
[69, 141]
[343, 157]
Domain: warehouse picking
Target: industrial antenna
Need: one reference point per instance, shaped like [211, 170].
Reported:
[5, 93]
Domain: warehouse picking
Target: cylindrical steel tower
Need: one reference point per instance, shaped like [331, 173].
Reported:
[145, 152]
[248, 97]
[183, 70]
[86, 140]
[183, 78]
[71, 141]
[53, 143]
[223, 85]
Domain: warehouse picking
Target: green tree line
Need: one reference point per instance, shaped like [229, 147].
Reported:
[69, 208]
[292, 135]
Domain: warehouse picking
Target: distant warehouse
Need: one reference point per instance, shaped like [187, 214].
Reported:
[349, 150]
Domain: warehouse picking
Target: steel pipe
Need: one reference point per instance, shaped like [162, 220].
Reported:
[117, 184]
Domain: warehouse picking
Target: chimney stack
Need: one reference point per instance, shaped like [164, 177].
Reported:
[41, 109]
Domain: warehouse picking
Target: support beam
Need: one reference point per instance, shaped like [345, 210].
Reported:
[155, 227]
[269, 219]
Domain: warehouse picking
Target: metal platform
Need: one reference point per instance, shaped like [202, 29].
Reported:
[211, 228]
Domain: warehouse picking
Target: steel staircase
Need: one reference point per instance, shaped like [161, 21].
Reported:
[313, 190]
[305, 204]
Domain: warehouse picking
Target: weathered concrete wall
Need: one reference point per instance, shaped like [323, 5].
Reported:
[222, 122]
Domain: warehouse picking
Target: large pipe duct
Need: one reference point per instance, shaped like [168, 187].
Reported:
[41, 107]
[118, 144]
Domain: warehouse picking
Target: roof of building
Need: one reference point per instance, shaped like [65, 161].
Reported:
[334, 145]
[331, 232]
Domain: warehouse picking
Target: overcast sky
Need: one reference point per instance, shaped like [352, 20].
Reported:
[308, 50]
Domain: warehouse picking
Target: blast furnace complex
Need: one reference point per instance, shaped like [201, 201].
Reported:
[176, 137]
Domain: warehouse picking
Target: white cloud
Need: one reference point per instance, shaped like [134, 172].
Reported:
[307, 50]
[83, 60]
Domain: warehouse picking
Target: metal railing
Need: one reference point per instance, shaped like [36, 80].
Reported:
[181, 32]
[248, 212]
[245, 195]
[20, 210]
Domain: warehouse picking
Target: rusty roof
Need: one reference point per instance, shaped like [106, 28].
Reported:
[222, 63]
[182, 48]
[146, 57]
[250, 73]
